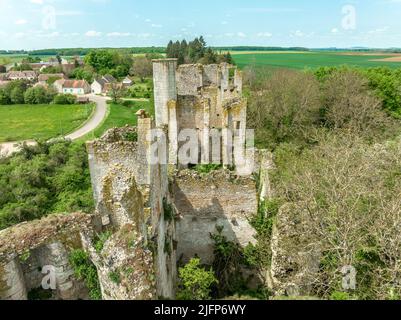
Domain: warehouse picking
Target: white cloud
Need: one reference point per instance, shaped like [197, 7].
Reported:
[334, 30]
[49, 35]
[118, 34]
[20, 22]
[154, 25]
[297, 33]
[379, 30]
[264, 35]
[241, 34]
[37, 1]
[93, 33]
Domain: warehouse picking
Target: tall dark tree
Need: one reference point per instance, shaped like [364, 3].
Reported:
[195, 51]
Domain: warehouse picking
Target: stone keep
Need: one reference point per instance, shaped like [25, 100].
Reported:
[201, 97]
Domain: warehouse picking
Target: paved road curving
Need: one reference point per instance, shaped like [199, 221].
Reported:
[99, 115]
[95, 121]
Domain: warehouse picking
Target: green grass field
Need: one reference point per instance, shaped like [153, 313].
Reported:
[120, 116]
[24, 122]
[312, 60]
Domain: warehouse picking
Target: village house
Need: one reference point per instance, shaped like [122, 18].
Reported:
[44, 78]
[99, 84]
[114, 85]
[76, 87]
[127, 82]
[22, 75]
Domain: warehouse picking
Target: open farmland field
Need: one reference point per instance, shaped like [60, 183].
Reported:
[11, 58]
[23, 122]
[315, 59]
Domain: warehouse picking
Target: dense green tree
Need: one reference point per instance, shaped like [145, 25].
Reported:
[29, 96]
[22, 67]
[142, 68]
[4, 98]
[45, 179]
[64, 99]
[109, 62]
[195, 51]
[195, 281]
[83, 73]
[52, 69]
[17, 95]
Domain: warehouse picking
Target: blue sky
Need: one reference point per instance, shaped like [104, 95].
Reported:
[36, 24]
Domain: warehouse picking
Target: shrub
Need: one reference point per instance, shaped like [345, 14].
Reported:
[337, 295]
[207, 168]
[228, 264]
[85, 270]
[195, 281]
[65, 99]
[101, 239]
[115, 277]
[17, 95]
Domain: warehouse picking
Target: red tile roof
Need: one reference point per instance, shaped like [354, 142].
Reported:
[75, 84]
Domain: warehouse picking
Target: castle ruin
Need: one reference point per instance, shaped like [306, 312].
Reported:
[158, 214]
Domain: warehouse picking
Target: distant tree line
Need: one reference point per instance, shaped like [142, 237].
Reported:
[253, 48]
[196, 51]
[85, 51]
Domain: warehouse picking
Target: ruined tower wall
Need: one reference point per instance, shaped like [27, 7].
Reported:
[189, 79]
[205, 202]
[165, 89]
[130, 198]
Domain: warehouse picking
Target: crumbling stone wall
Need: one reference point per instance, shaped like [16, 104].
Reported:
[204, 202]
[26, 248]
[129, 195]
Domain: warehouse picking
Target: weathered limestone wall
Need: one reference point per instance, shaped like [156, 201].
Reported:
[130, 201]
[26, 248]
[164, 87]
[55, 255]
[205, 202]
[211, 75]
[12, 283]
[189, 79]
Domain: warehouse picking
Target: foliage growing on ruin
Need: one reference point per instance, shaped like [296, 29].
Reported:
[100, 240]
[228, 264]
[168, 211]
[207, 168]
[115, 277]
[85, 270]
[195, 282]
[259, 255]
[44, 179]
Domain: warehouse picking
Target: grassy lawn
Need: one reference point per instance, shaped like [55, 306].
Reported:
[302, 60]
[119, 116]
[24, 122]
